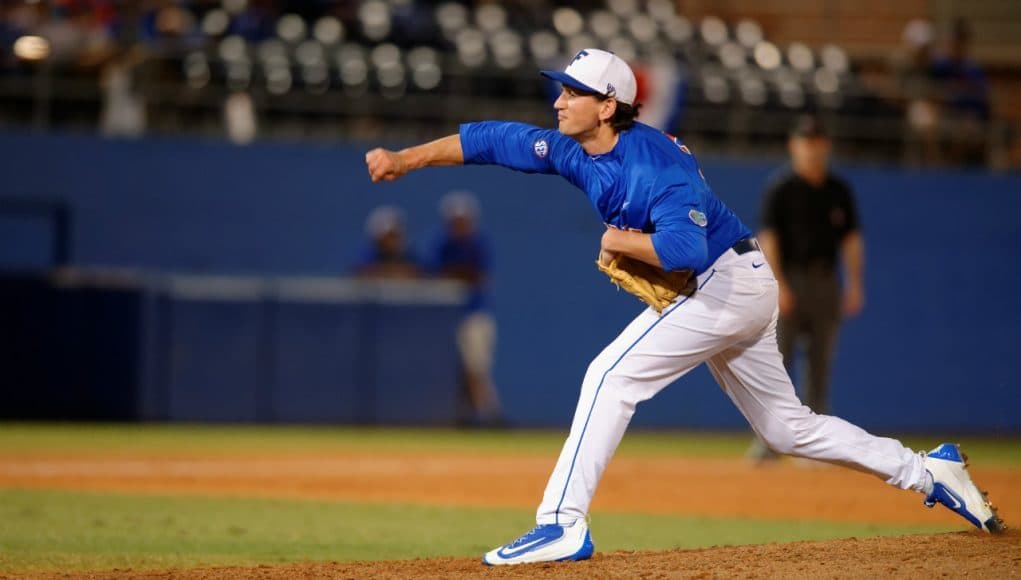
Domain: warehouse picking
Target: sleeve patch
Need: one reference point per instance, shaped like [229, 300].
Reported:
[541, 148]
[698, 217]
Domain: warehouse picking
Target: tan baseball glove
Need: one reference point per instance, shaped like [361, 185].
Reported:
[653, 286]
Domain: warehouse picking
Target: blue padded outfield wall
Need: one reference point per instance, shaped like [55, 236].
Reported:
[106, 345]
[937, 347]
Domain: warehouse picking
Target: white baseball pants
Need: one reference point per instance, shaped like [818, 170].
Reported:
[730, 324]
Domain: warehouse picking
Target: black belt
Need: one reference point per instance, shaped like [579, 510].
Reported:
[746, 245]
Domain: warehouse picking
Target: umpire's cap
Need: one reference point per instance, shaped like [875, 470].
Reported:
[809, 126]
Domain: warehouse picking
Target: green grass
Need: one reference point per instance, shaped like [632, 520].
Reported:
[54, 530]
[29, 438]
[59, 530]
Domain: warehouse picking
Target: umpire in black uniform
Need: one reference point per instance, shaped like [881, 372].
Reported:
[809, 225]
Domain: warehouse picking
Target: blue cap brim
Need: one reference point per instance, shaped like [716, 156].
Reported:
[568, 80]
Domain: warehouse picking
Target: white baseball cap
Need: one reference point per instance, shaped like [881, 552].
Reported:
[598, 71]
[459, 204]
[383, 220]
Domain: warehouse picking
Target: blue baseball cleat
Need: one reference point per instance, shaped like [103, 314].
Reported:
[545, 543]
[952, 487]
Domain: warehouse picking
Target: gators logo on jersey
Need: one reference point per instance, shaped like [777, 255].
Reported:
[698, 217]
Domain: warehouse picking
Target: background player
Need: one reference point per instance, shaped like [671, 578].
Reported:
[462, 253]
[386, 253]
[649, 189]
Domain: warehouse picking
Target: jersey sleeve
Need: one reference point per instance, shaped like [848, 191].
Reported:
[680, 234]
[529, 149]
[853, 222]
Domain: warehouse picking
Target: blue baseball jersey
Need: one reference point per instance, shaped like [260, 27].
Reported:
[371, 255]
[470, 255]
[649, 182]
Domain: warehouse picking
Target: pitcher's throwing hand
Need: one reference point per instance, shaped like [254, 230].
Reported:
[385, 165]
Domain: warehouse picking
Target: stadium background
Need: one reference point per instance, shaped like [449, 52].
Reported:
[184, 193]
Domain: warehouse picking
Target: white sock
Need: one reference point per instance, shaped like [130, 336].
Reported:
[928, 484]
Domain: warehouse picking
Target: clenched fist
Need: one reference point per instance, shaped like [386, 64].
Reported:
[385, 165]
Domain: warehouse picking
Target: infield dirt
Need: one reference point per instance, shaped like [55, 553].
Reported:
[952, 555]
[671, 485]
[659, 485]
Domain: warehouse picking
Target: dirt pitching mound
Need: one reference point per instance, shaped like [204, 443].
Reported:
[958, 554]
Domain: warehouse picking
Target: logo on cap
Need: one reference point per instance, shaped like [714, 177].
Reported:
[541, 148]
[598, 71]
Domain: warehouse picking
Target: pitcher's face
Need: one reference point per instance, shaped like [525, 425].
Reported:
[577, 112]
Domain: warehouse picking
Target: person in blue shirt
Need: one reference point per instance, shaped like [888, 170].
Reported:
[648, 189]
[385, 254]
[462, 253]
[963, 93]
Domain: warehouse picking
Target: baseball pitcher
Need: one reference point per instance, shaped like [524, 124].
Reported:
[712, 297]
